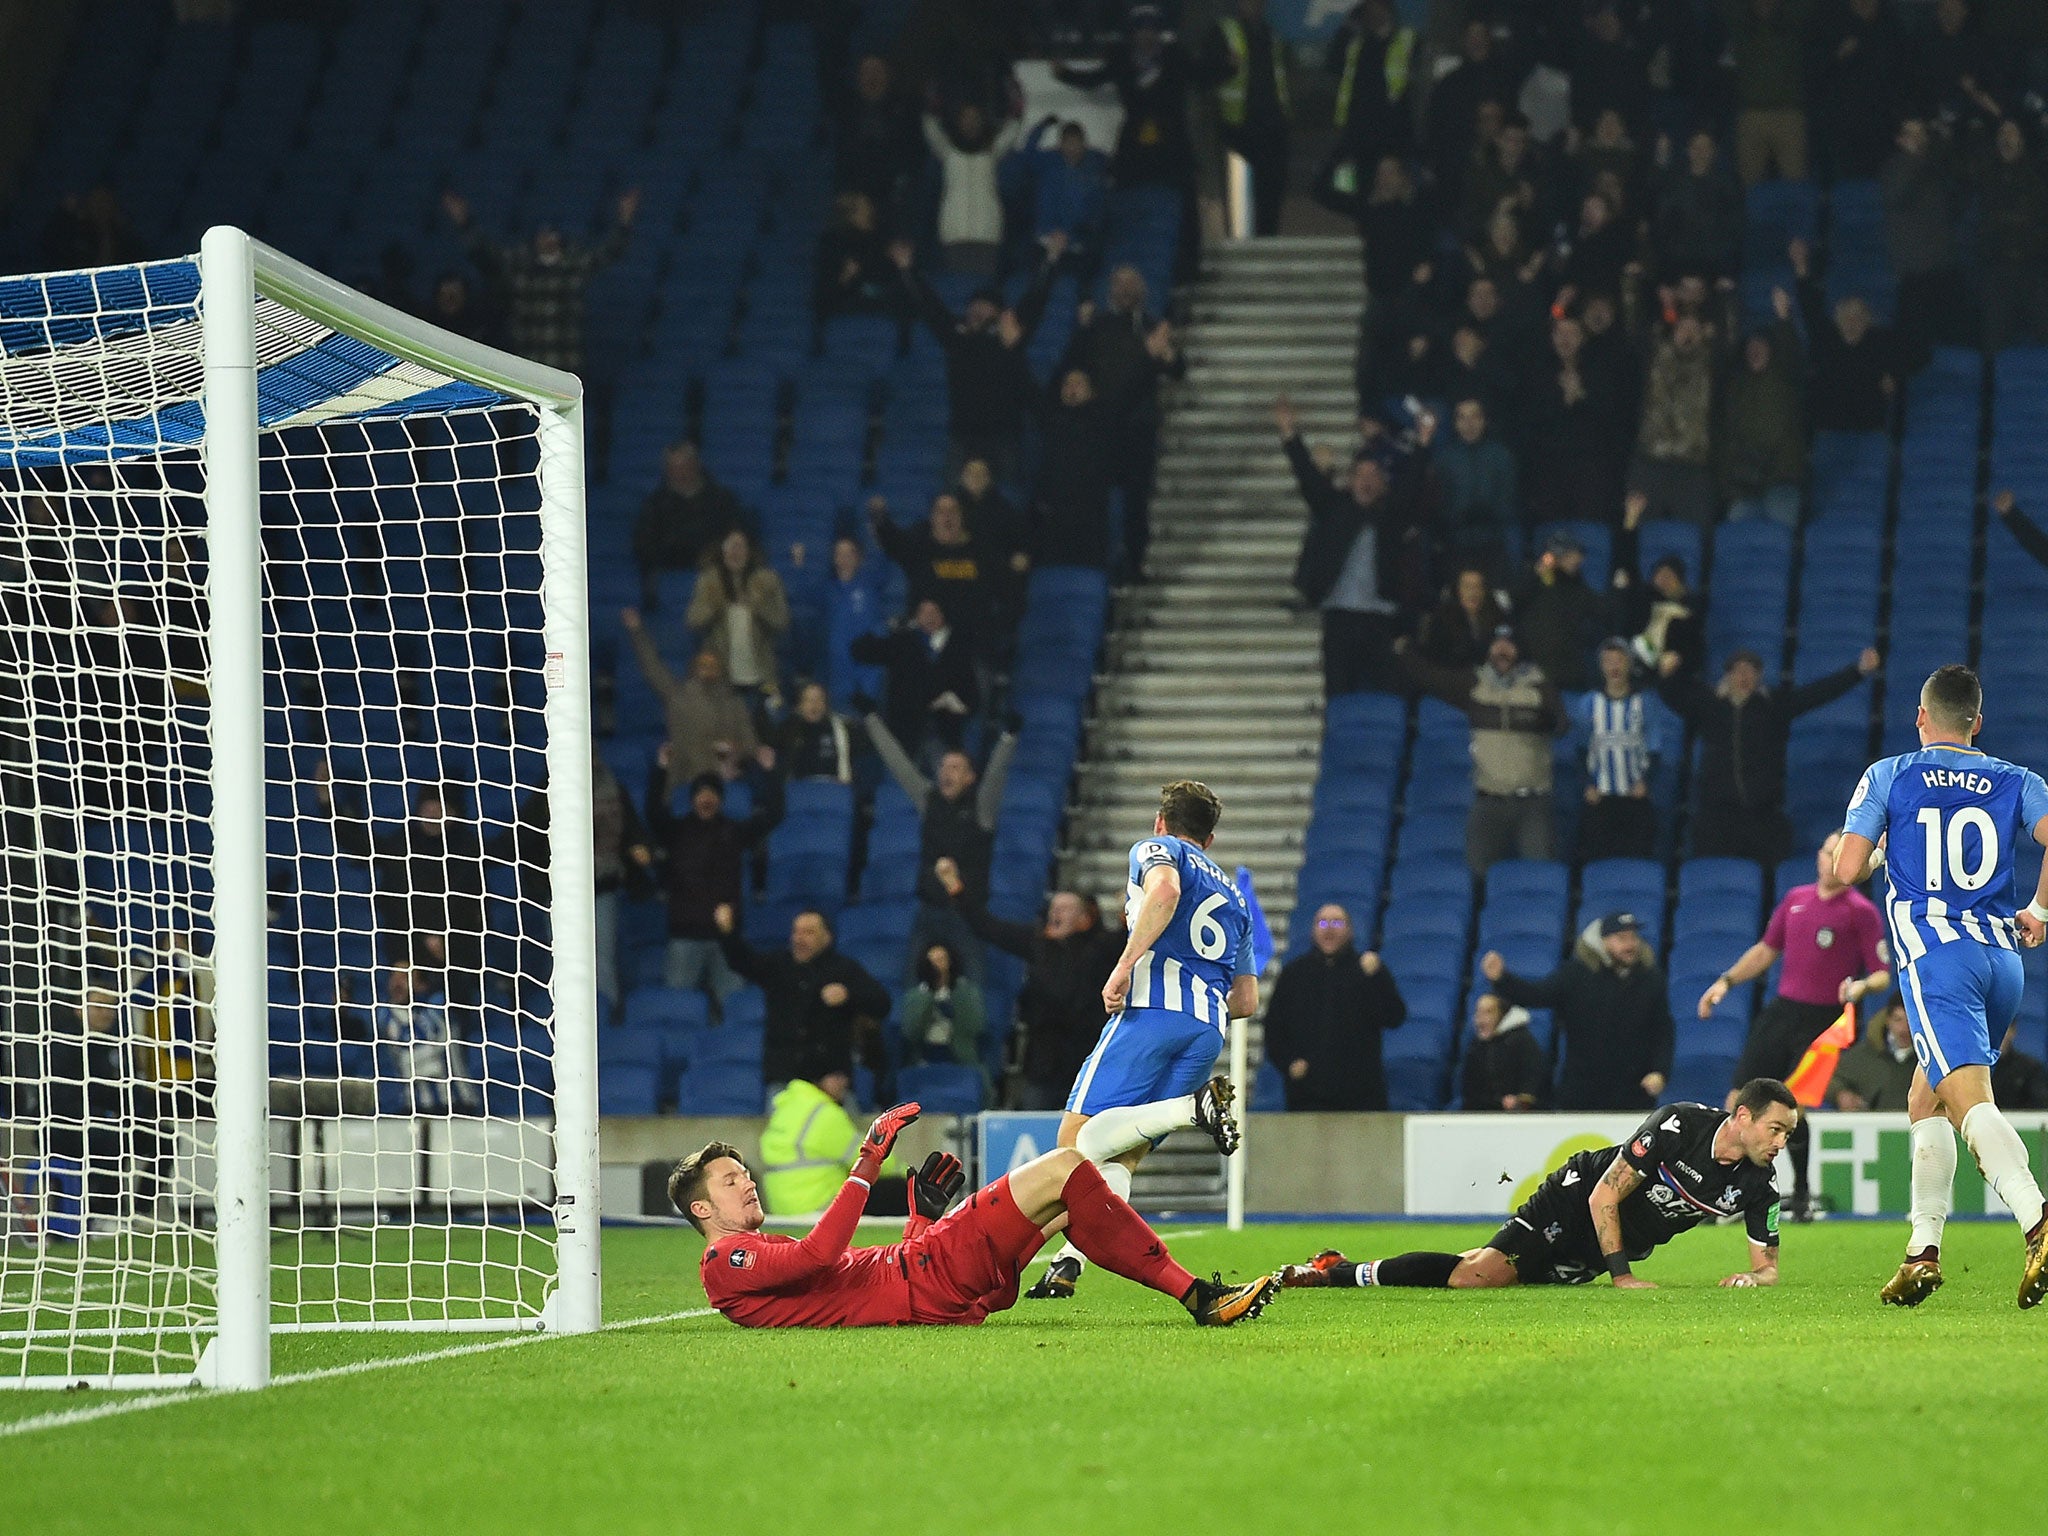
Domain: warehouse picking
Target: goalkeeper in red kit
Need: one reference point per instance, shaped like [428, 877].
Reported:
[955, 1268]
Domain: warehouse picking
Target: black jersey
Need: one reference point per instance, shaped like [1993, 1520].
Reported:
[1683, 1185]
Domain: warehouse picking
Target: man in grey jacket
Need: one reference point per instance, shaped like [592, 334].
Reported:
[1515, 714]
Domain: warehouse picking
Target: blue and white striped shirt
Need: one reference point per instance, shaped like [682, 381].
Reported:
[1624, 739]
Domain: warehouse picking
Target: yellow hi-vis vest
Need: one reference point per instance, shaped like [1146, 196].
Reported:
[1400, 54]
[807, 1146]
[1232, 94]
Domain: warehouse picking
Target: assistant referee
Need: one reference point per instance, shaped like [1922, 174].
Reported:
[1832, 940]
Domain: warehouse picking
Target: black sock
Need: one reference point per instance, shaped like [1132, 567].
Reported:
[1800, 1145]
[1430, 1270]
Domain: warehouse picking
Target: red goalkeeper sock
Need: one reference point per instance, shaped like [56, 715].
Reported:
[1113, 1235]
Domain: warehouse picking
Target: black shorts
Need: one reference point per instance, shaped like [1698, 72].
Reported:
[1550, 1240]
[1779, 1036]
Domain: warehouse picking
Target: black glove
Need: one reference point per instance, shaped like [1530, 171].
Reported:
[935, 1186]
[863, 706]
[1013, 723]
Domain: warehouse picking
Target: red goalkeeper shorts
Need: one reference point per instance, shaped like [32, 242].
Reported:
[966, 1265]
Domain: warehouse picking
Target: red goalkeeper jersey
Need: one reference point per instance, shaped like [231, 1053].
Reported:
[765, 1280]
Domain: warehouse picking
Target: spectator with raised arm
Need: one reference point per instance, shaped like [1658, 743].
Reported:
[1069, 192]
[988, 379]
[967, 148]
[940, 558]
[683, 517]
[821, 1006]
[957, 811]
[1067, 957]
[543, 279]
[706, 852]
[1325, 1018]
[1515, 714]
[1658, 612]
[1743, 728]
[1504, 1069]
[710, 728]
[1558, 615]
[1126, 350]
[1363, 555]
[1612, 1015]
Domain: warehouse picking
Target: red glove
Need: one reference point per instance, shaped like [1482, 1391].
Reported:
[881, 1137]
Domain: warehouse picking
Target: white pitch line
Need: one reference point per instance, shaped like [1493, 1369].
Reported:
[69, 1416]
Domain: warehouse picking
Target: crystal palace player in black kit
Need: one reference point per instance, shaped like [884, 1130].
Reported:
[1606, 1209]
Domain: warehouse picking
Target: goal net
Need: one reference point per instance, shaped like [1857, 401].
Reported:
[297, 1029]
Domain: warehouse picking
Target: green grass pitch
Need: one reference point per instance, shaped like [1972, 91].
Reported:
[1688, 1409]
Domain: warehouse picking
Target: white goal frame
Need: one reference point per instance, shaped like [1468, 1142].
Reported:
[235, 270]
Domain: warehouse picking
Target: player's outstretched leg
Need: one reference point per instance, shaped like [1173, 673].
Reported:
[1482, 1269]
[1112, 1132]
[2002, 1157]
[1109, 1134]
[1934, 1177]
[1111, 1234]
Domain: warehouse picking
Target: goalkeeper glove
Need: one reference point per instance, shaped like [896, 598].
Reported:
[935, 1186]
[881, 1138]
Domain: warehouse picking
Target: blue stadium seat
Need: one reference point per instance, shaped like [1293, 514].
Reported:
[627, 1088]
[943, 1088]
[720, 1090]
[665, 1008]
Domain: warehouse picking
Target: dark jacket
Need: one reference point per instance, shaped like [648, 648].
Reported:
[427, 878]
[1153, 144]
[804, 1036]
[1060, 1006]
[1327, 1012]
[1742, 747]
[1452, 638]
[987, 383]
[918, 674]
[1697, 226]
[1335, 520]
[1510, 1065]
[962, 829]
[674, 531]
[1080, 453]
[1615, 1025]
[706, 858]
[1111, 350]
[1762, 436]
[615, 830]
[1558, 622]
[1847, 393]
[955, 576]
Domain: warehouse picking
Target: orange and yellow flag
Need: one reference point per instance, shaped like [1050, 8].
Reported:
[1809, 1080]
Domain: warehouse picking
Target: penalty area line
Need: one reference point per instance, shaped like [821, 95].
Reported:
[66, 1417]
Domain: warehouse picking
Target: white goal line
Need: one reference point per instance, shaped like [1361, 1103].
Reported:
[64, 1418]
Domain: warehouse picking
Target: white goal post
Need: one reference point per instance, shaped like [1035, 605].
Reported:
[295, 788]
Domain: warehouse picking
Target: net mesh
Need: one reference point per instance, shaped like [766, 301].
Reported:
[410, 1021]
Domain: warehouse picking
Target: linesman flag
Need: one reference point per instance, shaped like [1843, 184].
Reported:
[1809, 1080]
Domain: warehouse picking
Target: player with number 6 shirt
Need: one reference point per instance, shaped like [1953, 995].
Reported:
[1185, 973]
[1945, 822]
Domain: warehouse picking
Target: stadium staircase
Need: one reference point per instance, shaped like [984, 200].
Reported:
[1212, 669]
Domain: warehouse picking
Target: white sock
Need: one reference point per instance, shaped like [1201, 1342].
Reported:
[1118, 1178]
[1114, 1132]
[2003, 1157]
[1934, 1182]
